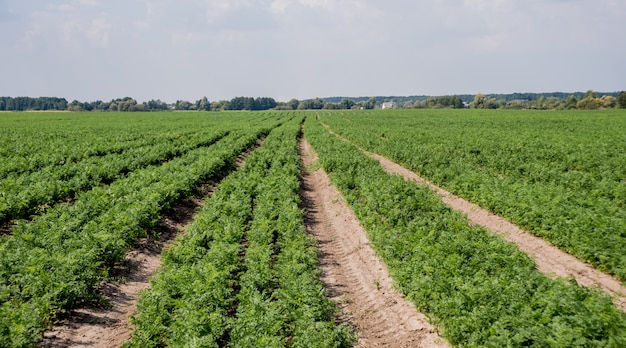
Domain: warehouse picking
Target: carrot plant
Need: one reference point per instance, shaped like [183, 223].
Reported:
[249, 270]
[476, 288]
[50, 264]
[560, 175]
[26, 194]
[30, 142]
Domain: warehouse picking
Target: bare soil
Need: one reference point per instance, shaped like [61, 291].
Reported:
[95, 326]
[352, 272]
[550, 260]
[5, 229]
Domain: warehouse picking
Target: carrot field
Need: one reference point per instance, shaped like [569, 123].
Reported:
[78, 191]
[561, 175]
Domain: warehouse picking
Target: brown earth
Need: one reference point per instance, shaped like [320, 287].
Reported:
[550, 260]
[105, 327]
[352, 272]
[95, 326]
[5, 229]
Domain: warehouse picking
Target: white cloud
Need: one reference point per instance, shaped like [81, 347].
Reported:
[171, 49]
[68, 26]
[98, 31]
[488, 42]
[279, 7]
[216, 9]
[92, 3]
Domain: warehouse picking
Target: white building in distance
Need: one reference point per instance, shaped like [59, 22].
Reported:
[388, 105]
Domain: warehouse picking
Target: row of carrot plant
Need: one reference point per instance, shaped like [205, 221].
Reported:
[33, 141]
[560, 175]
[52, 263]
[476, 288]
[26, 194]
[244, 274]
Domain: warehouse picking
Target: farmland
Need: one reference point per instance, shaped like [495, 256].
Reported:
[481, 290]
[561, 175]
[54, 260]
[78, 190]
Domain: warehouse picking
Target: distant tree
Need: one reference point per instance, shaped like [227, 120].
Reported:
[346, 104]
[570, 103]
[263, 103]
[123, 106]
[371, 103]
[156, 105]
[317, 104]
[182, 105]
[621, 100]
[21, 103]
[241, 103]
[312, 104]
[538, 104]
[74, 106]
[87, 106]
[517, 104]
[203, 104]
[425, 104]
[608, 101]
[60, 103]
[9, 104]
[480, 100]
[293, 104]
[248, 103]
[366, 104]
[493, 103]
[220, 105]
[590, 94]
[139, 107]
[28, 103]
[126, 104]
[457, 102]
[589, 103]
[552, 103]
[447, 101]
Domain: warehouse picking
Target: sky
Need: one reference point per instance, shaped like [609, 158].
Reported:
[185, 49]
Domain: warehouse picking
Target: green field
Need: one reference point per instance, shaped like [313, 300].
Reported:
[560, 175]
[77, 190]
[480, 290]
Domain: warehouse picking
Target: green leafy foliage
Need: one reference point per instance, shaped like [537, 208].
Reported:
[560, 175]
[264, 288]
[23, 194]
[478, 289]
[52, 263]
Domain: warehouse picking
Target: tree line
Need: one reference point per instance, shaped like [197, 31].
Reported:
[27, 103]
[589, 101]
[543, 101]
[128, 104]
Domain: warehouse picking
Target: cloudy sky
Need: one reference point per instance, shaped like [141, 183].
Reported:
[185, 49]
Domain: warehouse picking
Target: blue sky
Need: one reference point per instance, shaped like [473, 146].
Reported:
[186, 49]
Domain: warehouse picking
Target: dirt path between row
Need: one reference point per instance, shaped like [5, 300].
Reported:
[353, 274]
[550, 260]
[108, 327]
